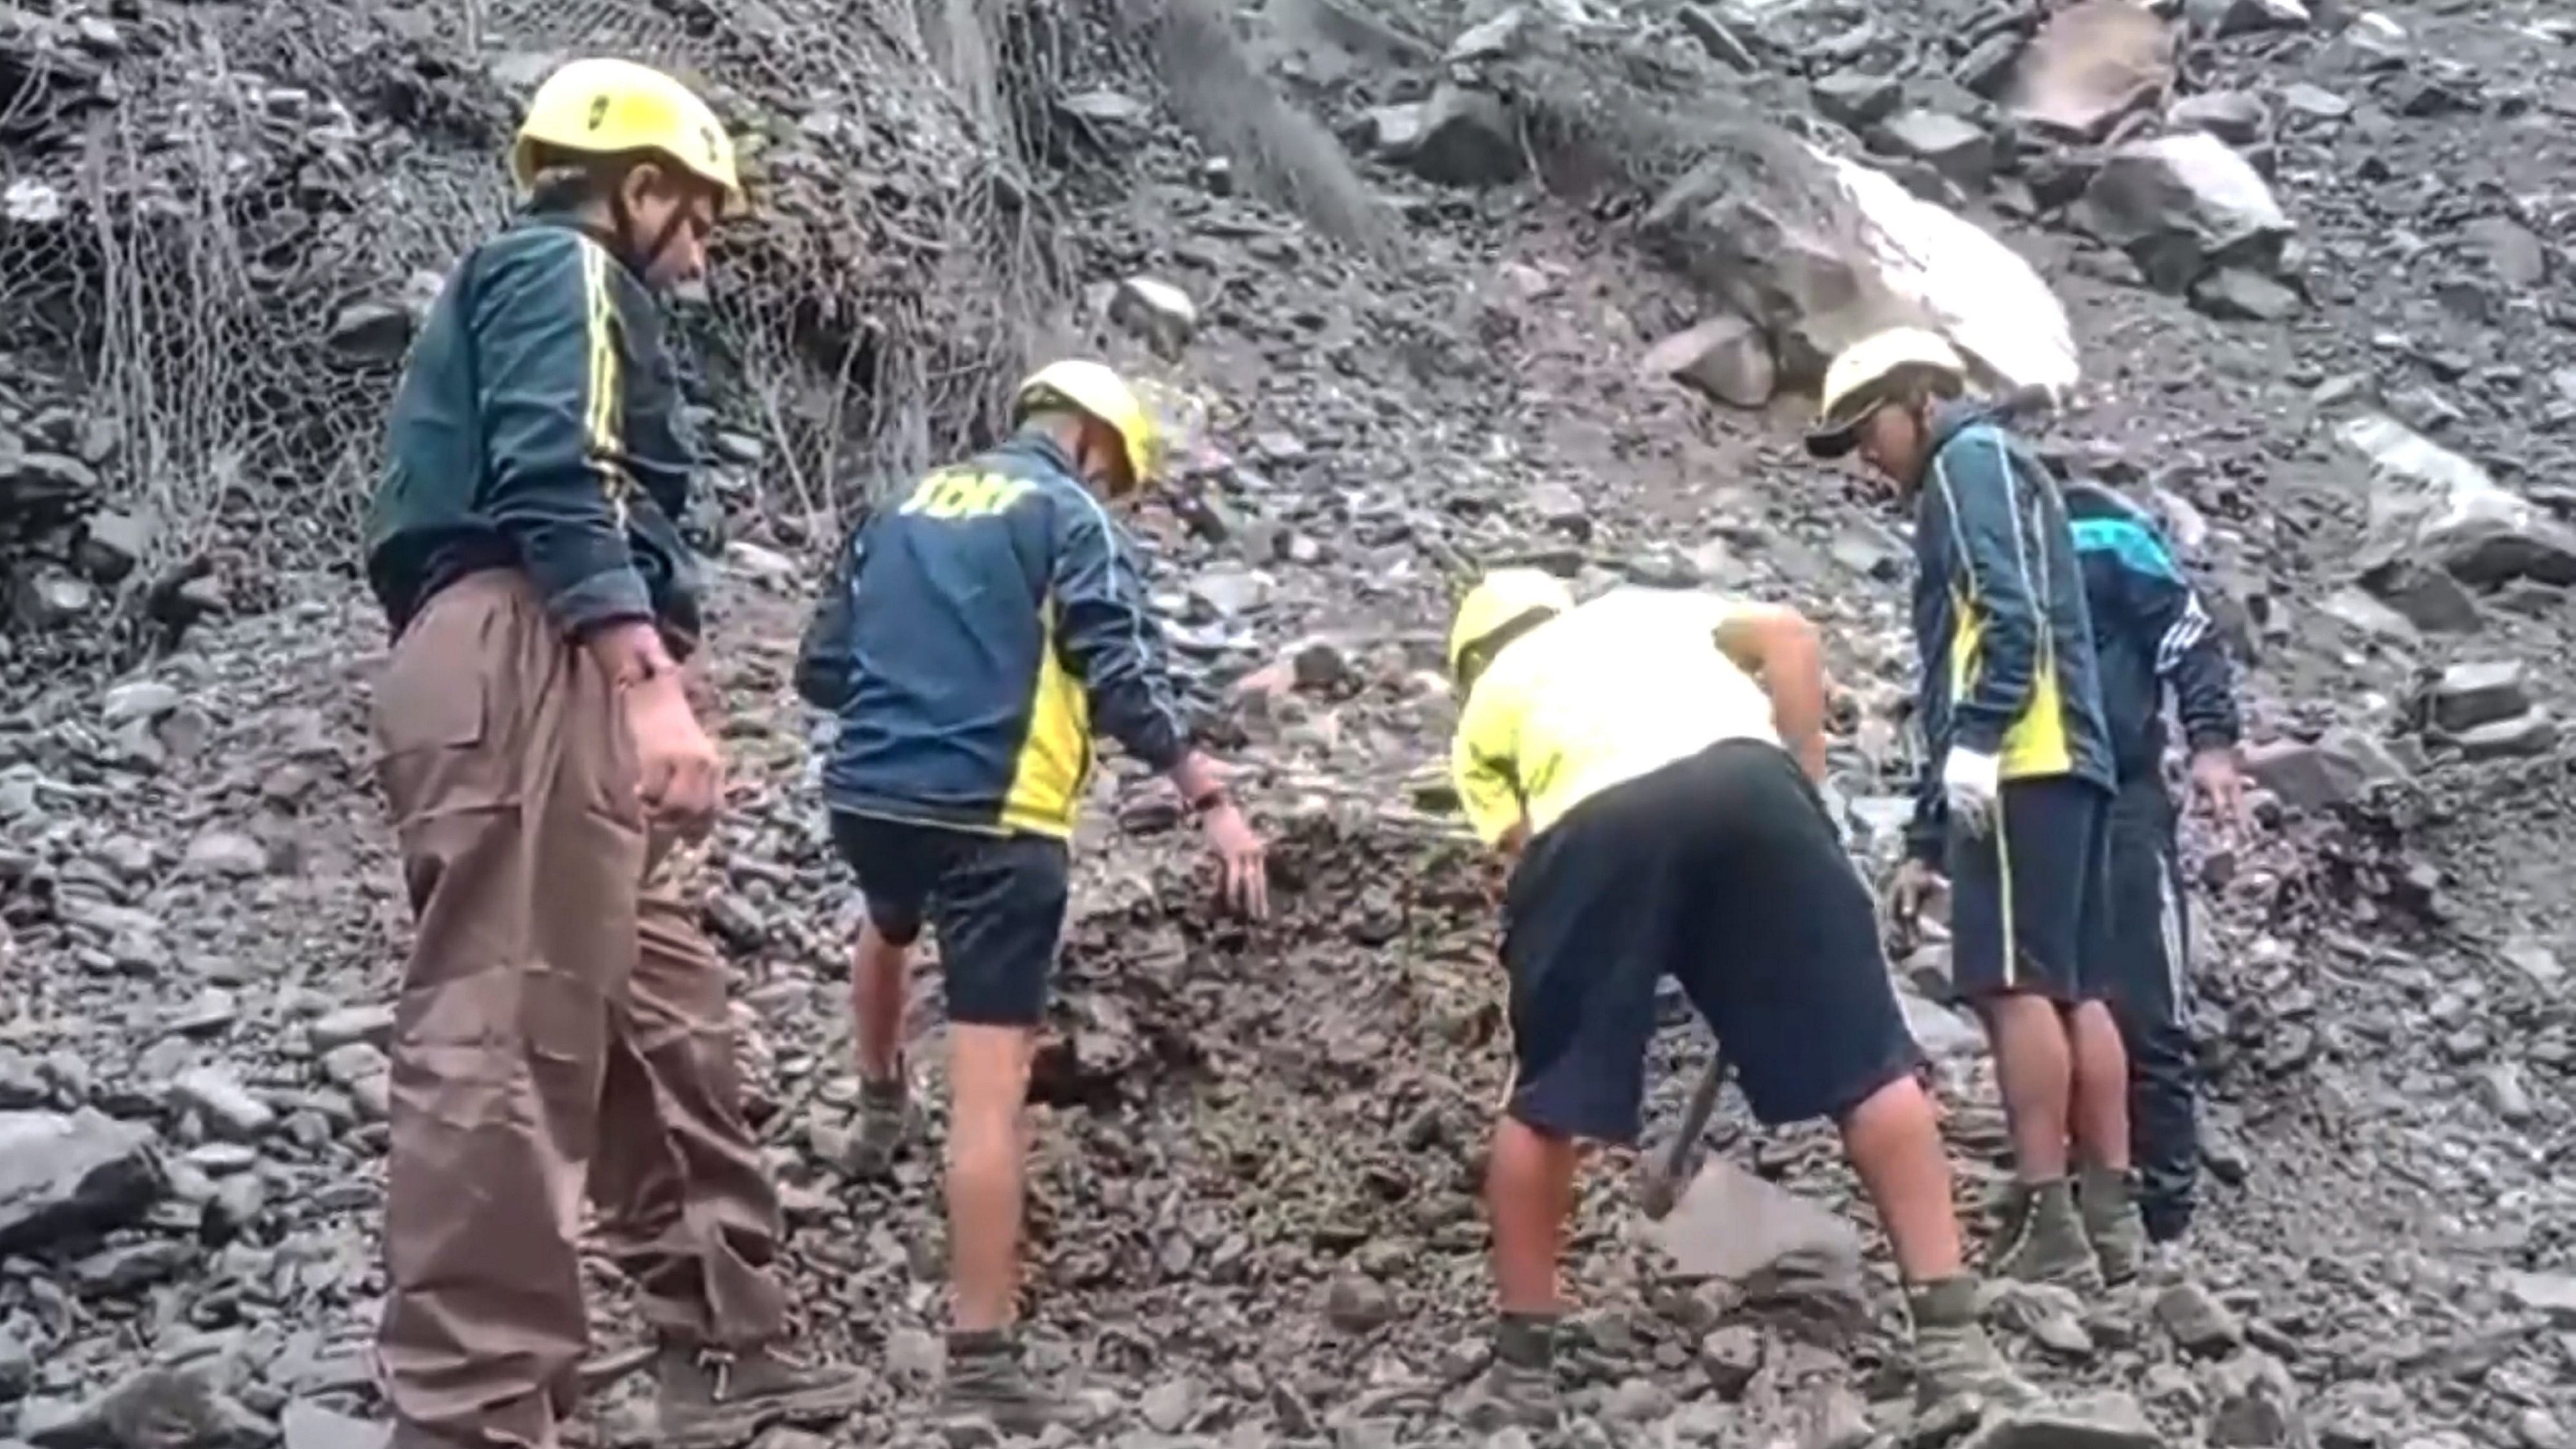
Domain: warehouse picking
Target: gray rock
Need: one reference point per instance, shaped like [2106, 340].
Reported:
[224, 1103]
[45, 482]
[307, 1425]
[2108, 1420]
[1393, 131]
[2234, 294]
[48, 597]
[1160, 313]
[1718, 38]
[1356, 1303]
[1637, 1401]
[2231, 116]
[2533, 732]
[1734, 1227]
[2534, 960]
[2221, 19]
[2052, 1317]
[227, 853]
[1988, 68]
[1944, 1035]
[2257, 1405]
[2197, 1321]
[372, 331]
[2334, 771]
[138, 699]
[1488, 39]
[113, 545]
[1469, 138]
[1857, 100]
[1169, 1406]
[2518, 258]
[2314, 102]
[1726, 357]
[2435, 506]
[1962, 152]
[2427, 598]
[2472, 694]
[2184, 205]
[2092, 64]
[80, 1173]
[1106, 107]
[373, 1025]
[1731, 1356]
[2506, 1096]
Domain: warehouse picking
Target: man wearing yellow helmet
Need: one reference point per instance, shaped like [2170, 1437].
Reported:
[562, 1021]
[979, 629]
[2017, 807]
[1650, 759]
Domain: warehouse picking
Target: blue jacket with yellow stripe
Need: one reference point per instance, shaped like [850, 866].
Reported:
[2149, 630]
[539, 427]
[975, 635]
[2001, 624]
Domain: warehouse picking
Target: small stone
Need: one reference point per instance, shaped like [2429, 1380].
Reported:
[2231, 116]
[377, 332]
[373, 1025]
[1469, 138]
[1637, 1401]
[2221, 19]
[2197, 1321]
[1726, 357]
[1357, 1304]
[1158, 312]
[138, 699]
[2314, 102]
[1955, 148]
[2472, 694]
[1857, 100]
[226, 1106]
[227, 853]
[113, 544]
[915, 1356]
[2533, 732]
[2234, 294]
[1731, 1356]
[1169, 1406]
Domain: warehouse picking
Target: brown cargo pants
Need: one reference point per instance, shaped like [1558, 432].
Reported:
[562, 1025]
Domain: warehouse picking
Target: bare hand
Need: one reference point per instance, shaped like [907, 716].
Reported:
[2221, 786]
[1913, 887]
[1239, 849]
[679, 775]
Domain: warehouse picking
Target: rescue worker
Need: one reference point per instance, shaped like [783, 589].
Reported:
[562, 1022]
[2151, 636]
[2016, 807]
[977, 633]
[1648, 762]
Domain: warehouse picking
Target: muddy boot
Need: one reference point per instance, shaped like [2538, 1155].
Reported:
[1520, 1388]
[714, 1399]
[987, 1384]
[2044, 1241]
[883, 1125]
[2112, 1221]
[1953, 1357]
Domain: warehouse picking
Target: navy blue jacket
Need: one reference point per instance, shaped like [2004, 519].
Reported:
[975, 635]
[2149, 630]
[2001, 627]
[539, 427]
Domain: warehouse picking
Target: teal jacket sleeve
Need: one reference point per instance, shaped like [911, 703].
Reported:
[1977, 499]
[1110, 640]
[549, 388]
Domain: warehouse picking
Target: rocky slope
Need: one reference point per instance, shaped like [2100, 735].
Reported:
[1255, 1220]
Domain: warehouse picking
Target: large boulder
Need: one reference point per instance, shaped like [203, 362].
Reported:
[2430, 506]
[2091, 65]
[2183, 206]
[61, 1175]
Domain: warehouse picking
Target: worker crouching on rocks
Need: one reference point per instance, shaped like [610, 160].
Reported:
[979, 629]
[2016, 806]
[1661, 809]
[2151, 637]
[562, 1022]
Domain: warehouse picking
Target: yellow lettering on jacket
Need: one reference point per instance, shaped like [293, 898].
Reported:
[959, 493]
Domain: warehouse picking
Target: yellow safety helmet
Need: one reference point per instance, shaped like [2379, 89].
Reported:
[1856, 379]
[1498, 601]
[608, 107]
[1095, 390]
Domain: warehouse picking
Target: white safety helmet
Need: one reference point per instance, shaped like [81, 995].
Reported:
[1856, 382]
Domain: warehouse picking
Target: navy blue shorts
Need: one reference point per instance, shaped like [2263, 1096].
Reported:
[997, 901]
[1722, 871]
[2025, 901]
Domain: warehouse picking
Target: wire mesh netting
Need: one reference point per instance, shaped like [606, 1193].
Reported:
[220, 223]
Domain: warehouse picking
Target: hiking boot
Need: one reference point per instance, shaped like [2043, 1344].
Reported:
[2044, 1240]
[2112, 1222]
[987, 1384]
[1953, 1357]
[882, 1127]
[719, 1399]
[1520, 1388]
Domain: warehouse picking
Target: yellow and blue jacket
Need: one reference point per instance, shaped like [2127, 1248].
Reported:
[539, 427]
[2001, 624]
[977, 632]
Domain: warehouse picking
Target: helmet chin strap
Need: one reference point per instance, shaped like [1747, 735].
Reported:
[621, 218]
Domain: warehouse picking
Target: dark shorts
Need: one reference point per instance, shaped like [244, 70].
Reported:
[2025, 900]
[1722, 871]
[997, 901]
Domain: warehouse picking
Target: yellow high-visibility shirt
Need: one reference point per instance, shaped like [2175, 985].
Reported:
[1606, 692]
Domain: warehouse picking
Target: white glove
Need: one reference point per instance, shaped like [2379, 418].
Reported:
[1971, 782]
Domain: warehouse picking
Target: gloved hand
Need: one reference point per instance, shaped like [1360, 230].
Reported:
[1971, 782]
